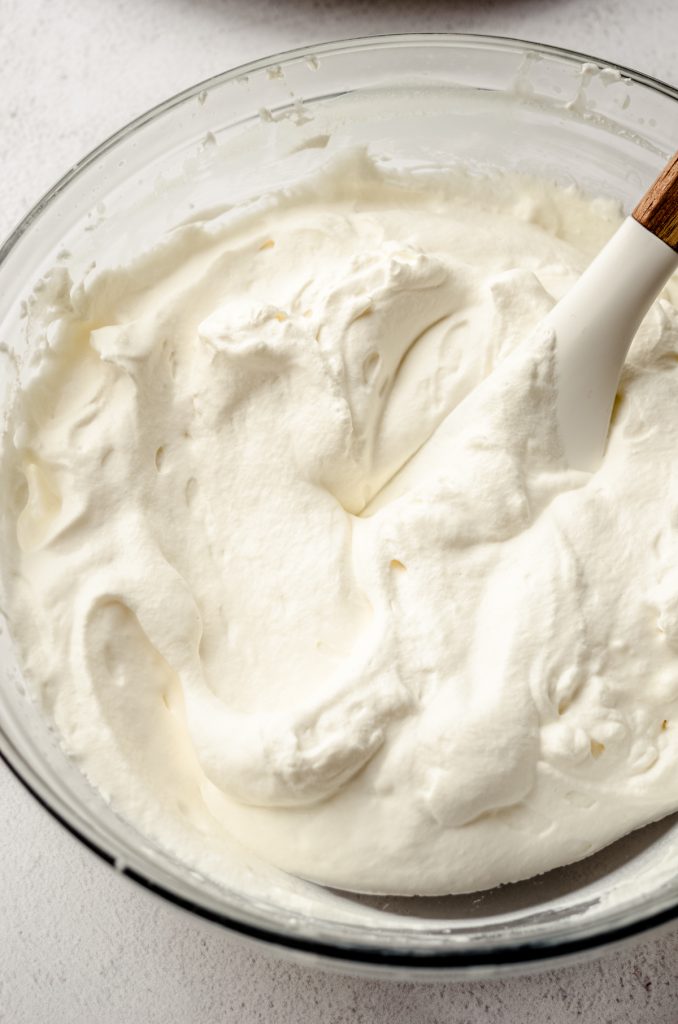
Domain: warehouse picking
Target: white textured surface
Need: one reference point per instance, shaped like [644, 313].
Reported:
[77, 943]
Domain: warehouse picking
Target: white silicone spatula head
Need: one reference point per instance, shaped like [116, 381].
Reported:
[597, 319]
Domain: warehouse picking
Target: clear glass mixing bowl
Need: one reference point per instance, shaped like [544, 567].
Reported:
[436, 98]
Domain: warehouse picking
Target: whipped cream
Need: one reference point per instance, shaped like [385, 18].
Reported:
[292, 555]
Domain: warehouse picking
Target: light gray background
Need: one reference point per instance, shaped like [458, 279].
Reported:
[79, 945]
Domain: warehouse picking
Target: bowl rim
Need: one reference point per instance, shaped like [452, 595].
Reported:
[439, 962]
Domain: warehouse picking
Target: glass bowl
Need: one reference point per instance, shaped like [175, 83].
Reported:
[483, 101]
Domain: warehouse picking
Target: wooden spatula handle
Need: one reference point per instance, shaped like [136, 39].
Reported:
[658, 209]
